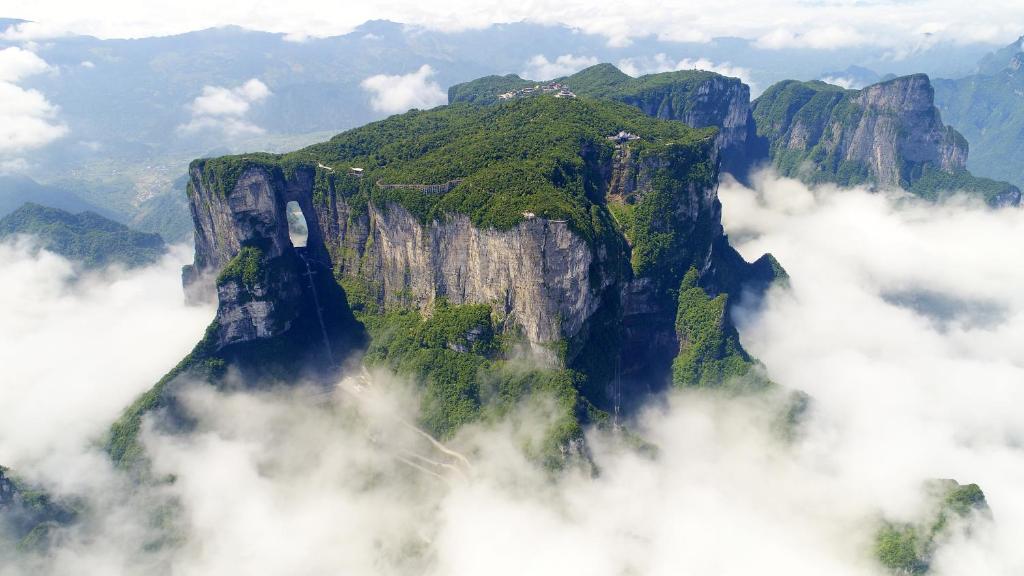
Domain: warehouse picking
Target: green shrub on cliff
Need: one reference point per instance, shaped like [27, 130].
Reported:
[457, 358]
[907, 548]
[710, 354]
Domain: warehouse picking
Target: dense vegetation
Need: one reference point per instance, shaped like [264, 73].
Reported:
[458, 355]
[602, 81]
[88, 238]
[907, 548]
[543, 155]
[538, 155]
[710, 354]
[485, 90]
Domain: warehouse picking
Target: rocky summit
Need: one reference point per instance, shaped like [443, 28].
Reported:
[888, 135]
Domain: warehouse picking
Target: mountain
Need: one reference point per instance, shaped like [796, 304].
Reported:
[953, 512]
[996, 62]
[889, 134]
[458, 236]
[17, 190]
[988, 109]
[695, 97]
[87, 237]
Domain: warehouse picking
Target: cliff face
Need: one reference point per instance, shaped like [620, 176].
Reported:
[560, 282]
[539, 275]
[705, 99]
[461, 236]
[889, 134]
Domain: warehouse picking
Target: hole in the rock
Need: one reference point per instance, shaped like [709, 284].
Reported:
[298, 232]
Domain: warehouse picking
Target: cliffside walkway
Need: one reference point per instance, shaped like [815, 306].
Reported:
[428, 188]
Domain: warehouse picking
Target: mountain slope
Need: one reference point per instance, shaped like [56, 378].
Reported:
[889, 134]
[695, 97]
[87, 237]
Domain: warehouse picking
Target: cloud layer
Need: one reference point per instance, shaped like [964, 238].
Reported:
[540, 68]
[225, 109]
[787, 23]
[27, 119]
[392, 94]
[76, 349]
[903, 323]
[663, 63]
[902, 320]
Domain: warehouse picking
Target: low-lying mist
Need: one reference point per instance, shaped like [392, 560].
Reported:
[76, 347]
[901, 320]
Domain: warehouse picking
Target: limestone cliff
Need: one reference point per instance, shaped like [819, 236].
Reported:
[463, 236]
[889, 135]
[558, 279]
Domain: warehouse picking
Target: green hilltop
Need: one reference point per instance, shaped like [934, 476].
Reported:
[87, 237]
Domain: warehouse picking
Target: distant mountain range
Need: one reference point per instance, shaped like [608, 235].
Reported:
[988, 109]
[125, 101]
[86, 238]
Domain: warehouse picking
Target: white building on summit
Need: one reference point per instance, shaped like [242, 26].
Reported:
[557, 88]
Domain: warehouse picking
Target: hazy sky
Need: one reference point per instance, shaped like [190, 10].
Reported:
[819, 24]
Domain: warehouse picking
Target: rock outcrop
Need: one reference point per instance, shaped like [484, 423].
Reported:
[889, 134]
[702, 99]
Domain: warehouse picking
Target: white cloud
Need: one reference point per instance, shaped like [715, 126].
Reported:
[397, 93]
[27, 119]
[818, 25]
[224, 109]
[906, 387]
[87, 64]
[848, 83]
[540, 68]
[662, 63]
[77, 348]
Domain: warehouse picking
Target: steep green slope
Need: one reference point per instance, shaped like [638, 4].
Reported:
[88, 238]
[907, 548]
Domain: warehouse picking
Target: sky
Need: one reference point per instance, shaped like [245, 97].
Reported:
[816, 24]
